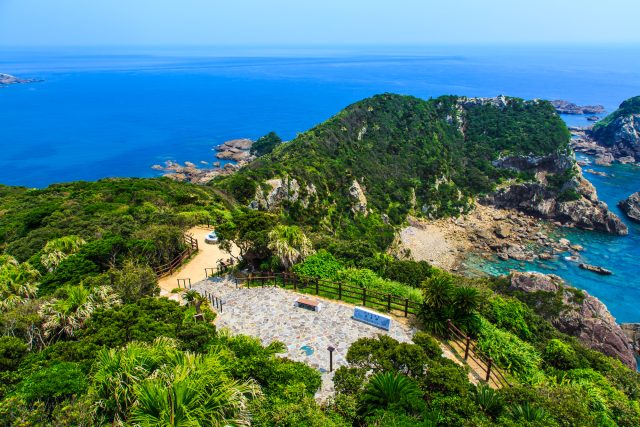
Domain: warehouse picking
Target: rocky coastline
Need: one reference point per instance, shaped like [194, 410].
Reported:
[574, 204]
[581, 315]
[237, 150]
[584, 142]
[631, 206]
[614, 138]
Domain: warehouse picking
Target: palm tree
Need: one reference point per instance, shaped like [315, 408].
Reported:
[526, 412]
[57, 250]
[117, 371]
[62, 317]
[18, 282]
[388, 389]
[489, 400]
[195, 298]
[289, 244]
[438, 291]
[437, 306]
[157, 384]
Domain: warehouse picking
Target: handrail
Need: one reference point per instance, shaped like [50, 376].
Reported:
[168, 268]
[365, 296]
[470, 349]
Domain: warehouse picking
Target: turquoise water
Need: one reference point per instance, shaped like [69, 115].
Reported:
[620, 291]
[116, 113]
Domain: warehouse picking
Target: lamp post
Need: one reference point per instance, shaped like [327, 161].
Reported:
[331, 349]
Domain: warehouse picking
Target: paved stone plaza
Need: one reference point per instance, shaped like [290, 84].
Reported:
[270, 314]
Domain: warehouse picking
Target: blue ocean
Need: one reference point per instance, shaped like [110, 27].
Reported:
[114, 112]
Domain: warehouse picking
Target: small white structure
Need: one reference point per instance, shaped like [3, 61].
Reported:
[211, 238]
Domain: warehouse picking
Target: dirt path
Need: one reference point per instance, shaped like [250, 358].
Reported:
[207, 257]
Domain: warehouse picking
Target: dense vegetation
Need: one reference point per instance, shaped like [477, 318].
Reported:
[411, 155]
[603, 131]
[84, 339]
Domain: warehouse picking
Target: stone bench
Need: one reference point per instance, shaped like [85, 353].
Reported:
[307, 303]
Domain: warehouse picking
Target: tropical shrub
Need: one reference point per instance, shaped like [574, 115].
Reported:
[560, 355]
[322, 265]
[391, 391]
[509, 351]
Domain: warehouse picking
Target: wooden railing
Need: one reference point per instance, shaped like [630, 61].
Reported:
[169, 268]
[325, 288]
[481, 364]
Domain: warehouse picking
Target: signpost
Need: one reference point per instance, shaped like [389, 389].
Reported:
[371, 317]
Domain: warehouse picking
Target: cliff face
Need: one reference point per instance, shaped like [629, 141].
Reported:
[584, 317]
[620, 131]
[631, 206]
[573, 203]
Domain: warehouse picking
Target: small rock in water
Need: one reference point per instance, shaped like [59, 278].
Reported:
[596, 269]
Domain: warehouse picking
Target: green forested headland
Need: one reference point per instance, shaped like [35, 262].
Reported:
[84, 339]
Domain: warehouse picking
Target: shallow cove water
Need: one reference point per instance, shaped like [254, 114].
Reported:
[116, 113]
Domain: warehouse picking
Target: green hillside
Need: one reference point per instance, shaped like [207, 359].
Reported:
[629, 106]
[396, 146]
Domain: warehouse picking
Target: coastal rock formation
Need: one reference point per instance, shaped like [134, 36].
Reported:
[282, 190]
[582, 315]
[566, 107]
[236, 149]
[359, 200]
[619, 132]
[596, 269]
[632, 331]
[631, 206]
[574, 204]
[8, 79]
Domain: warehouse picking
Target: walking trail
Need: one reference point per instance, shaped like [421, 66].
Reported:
[207, 256]
[277, 319]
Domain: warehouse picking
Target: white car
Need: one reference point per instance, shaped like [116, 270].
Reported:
[211, 238]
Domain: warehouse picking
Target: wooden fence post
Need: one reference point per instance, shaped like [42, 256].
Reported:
[317, 286]
[489, 363]
[406, 307]
[364, 297]
[340, 291]
[389, 303]
[295, 282]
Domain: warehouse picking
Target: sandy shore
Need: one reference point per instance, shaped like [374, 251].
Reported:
[426, 241]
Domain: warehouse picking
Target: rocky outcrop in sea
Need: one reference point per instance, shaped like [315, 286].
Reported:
[631, 206]
[8, 79]
[582, 315]
[574, 204]
[237, 150]
[566, 107]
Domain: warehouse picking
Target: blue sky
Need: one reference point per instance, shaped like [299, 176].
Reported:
[321, 22]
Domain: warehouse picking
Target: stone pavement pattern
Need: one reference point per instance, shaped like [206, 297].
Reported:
[269, 314]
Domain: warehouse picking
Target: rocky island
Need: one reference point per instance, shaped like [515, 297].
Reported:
[566, 107]
[8, 79]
